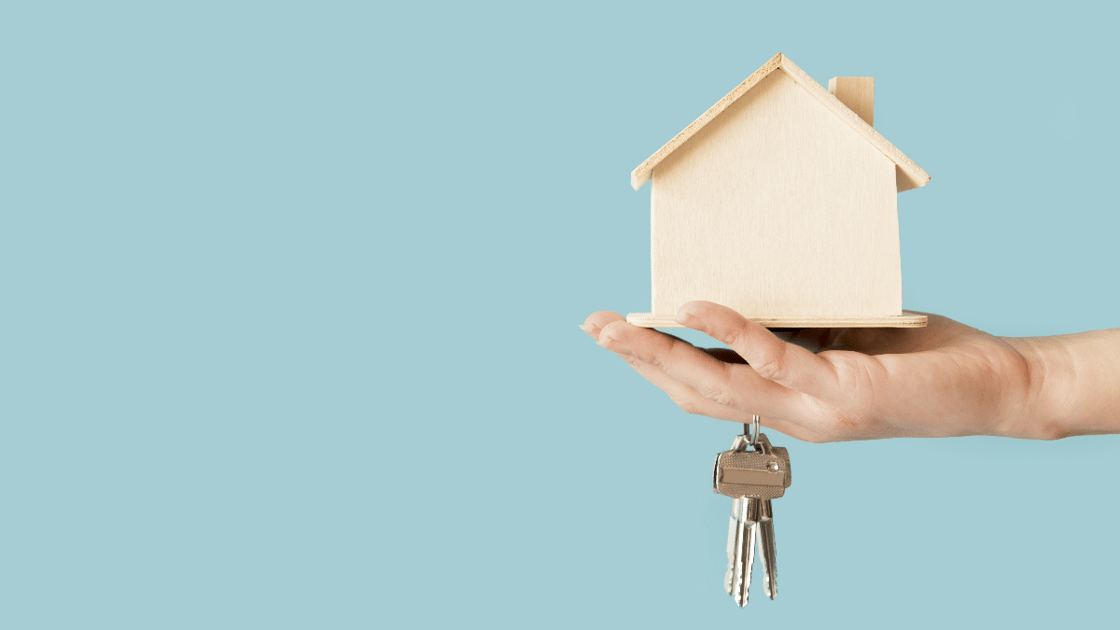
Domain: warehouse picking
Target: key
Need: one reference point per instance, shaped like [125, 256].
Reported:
[734, 540]
[744, 559]
[769, 549]
[737, 529]
[740, 548]
[751, 478]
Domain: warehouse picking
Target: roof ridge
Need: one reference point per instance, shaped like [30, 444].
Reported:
[908, 175]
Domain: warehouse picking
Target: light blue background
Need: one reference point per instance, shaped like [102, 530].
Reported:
[290, 295]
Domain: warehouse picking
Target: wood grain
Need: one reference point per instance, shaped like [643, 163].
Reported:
[906, 320]
[858, 93]
[779, 210]
[908, 174]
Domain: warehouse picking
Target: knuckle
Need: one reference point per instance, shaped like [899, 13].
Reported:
[718, 387]
[719, 396]
[663, 355]
[770, 365]
[849, 370]
[657, 358]
[634, 363]
[732, 336]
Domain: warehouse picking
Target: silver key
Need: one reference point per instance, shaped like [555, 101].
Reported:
[768, 549]
[744, 553]
[738, 530]
[768, 546]
[734, 539]
[752, 516]
[740, 551]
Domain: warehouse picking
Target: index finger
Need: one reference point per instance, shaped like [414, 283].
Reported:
[784, 363]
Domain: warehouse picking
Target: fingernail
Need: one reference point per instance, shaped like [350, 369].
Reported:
[605, 340]
[589, 329]
[683, 316]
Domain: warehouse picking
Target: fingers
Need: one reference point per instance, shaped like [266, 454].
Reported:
[687, 398]
[684, 396]
[595, 322]
[729, 385]
[690, 401]
[783, 363]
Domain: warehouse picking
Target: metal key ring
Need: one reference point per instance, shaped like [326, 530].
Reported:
[752, 437]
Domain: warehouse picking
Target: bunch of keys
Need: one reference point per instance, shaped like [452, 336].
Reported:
[751, 479]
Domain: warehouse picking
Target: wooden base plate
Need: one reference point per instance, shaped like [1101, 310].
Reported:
[906, 320]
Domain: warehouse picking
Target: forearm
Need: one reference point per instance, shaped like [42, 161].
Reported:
[1074, 383]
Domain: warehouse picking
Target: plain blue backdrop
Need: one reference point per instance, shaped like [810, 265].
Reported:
[290, 292]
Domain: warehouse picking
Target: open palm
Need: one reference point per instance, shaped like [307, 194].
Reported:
[825, 385]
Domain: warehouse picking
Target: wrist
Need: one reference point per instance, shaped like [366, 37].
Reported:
[1073, 384]
[1049, 378]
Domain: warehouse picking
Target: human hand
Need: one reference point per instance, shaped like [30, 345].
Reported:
[826, 385]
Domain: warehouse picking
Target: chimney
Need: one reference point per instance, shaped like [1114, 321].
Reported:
[858, 93]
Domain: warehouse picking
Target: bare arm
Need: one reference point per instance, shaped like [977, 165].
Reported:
[850, 384]
[1075, 382]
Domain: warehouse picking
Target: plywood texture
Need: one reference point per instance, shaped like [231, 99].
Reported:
[908, 175]
[905, 320]
[777, 209]
[858, 93]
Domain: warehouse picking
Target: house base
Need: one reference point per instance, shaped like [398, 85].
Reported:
[906, 320]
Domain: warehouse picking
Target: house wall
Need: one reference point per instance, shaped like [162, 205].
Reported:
[777, 208]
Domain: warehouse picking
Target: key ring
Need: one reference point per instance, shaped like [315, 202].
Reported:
[752, 438]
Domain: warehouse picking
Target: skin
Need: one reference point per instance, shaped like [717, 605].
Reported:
[828, 385]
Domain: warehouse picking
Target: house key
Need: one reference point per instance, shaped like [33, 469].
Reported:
[751, 478]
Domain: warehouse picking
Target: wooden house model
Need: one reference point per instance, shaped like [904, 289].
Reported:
[780, 202]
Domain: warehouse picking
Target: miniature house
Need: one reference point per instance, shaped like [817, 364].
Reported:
[780, 202]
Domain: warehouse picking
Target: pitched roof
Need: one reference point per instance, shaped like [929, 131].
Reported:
[907, 174]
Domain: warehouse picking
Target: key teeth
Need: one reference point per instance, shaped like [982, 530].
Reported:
[742, 600]
[732, 548]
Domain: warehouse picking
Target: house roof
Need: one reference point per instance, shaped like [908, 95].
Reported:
[908, 175]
